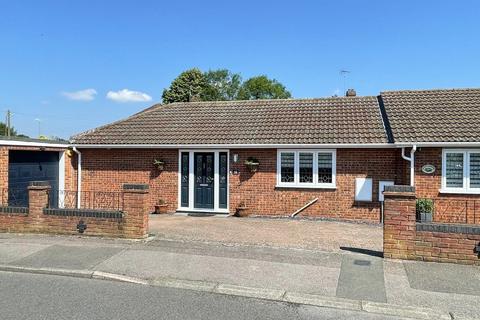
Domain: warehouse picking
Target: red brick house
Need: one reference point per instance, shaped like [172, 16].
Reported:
[273, 157]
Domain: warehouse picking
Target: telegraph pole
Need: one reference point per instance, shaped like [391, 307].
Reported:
[8, 122]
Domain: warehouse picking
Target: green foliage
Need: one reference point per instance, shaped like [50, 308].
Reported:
[262, 87]
[188, 86]
[252, 161]
[424, 206]
[222, 85]
[3, 130]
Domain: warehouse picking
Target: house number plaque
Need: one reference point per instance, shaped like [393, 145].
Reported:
[428, 169]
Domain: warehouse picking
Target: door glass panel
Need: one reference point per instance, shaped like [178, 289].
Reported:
[209, 169]
[199, 169]
[454, 170]
[223, 179]
[184, 176]
[474, 170]
[306, 167]
[287, 163]
[324, 168]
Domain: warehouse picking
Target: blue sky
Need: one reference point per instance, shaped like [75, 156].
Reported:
[50, 50]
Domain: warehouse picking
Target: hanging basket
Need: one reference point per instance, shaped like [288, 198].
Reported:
[252, 164]
[160, 164]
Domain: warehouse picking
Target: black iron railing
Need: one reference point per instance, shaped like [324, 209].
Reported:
[93, 200]
[11, 197]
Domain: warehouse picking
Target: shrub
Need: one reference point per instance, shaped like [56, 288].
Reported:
[424, 206]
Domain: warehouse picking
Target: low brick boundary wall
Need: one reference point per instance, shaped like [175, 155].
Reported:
[405, 238]
[131, 222]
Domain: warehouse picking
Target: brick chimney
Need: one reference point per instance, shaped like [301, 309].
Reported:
[351, 93]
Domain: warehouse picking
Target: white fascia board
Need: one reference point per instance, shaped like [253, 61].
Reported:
[230, 146]
[31, 144]
[438, 144]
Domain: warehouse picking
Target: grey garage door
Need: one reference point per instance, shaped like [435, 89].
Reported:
[26, 166]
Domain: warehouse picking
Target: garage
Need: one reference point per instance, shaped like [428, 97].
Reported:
[26, 166]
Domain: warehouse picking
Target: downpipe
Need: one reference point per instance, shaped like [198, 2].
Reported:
[79, 176]
[411, 159]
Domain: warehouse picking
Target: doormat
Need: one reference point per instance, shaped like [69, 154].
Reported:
[200, 214]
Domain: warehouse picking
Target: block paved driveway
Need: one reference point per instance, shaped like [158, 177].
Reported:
[282, 233]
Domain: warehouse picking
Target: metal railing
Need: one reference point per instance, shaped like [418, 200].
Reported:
[11, 197]
[93, 200]
[448, 210]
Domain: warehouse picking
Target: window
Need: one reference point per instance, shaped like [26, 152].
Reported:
[287, 166]
[461, 171]
[306, 168]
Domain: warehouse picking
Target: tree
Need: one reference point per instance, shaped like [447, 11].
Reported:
[261, 87]
[222, 85]
[3, 130]
[188, 86]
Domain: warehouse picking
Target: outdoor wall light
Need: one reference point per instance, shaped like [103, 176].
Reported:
[236, 158]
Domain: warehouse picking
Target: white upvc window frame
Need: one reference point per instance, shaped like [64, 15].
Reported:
[296, 183]
[465, 189]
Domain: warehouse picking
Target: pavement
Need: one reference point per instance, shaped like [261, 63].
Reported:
[355, 280]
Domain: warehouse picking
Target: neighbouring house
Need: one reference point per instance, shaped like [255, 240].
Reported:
[23, 160]
[273, 157]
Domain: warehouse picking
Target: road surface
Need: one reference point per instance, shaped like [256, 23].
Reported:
[33, 296]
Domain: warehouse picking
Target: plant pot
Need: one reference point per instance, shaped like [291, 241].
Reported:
[161, 208]
[242, 212]
[426, 217]
[253, 167]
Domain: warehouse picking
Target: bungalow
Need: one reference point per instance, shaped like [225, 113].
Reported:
[330, 157]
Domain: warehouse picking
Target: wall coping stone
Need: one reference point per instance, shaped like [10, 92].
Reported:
[399, 188]
[131, 186]
[39, 184]
[14, 210]
[85, 213]
[448, 228]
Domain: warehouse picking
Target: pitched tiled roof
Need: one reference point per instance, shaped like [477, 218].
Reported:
[343, 120]
[451, 115]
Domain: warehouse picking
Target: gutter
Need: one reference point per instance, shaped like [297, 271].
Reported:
[79, 177]
[16, 143]
[438, 144]
[411, 159]
[233, 146]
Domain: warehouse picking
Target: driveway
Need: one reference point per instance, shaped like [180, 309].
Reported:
[283, 233]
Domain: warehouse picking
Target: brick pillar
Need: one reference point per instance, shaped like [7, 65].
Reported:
[37, 200]
[399, 227]
[136, 210]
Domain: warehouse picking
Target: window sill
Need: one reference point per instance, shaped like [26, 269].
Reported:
[301, 186]
[463, 191]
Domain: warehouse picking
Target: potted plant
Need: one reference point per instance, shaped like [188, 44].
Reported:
[424, 208]
[161, 207]
[241, 210]
[160, 164]
[252, 164]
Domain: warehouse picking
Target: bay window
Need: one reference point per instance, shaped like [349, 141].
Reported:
[461, 170]
[306, 168]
